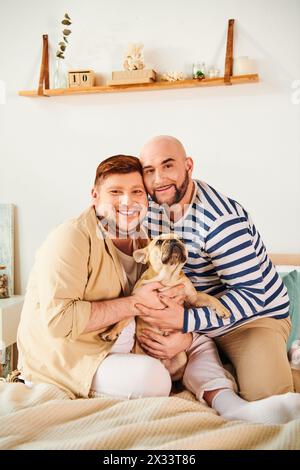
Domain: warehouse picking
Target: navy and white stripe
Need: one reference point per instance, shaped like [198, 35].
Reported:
[227, 259]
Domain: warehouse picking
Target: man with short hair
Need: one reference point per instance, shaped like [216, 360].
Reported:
[227, 258]
[80, 287]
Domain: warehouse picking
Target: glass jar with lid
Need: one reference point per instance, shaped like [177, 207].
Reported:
[3, 283]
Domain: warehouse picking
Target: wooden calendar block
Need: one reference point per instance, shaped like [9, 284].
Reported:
[74, 79]
[81, 78]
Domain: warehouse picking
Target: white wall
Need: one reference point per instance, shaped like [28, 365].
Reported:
[245, 139]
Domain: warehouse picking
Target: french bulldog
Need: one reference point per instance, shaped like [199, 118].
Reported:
[165, 256]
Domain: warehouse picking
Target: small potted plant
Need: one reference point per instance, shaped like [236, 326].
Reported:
[199, 70]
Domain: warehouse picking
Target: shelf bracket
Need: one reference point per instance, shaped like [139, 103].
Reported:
[44, 71]
[229, 53]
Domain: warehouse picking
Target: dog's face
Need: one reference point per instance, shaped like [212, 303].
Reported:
[164, 250]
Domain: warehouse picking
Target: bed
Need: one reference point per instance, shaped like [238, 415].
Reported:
[44, 418]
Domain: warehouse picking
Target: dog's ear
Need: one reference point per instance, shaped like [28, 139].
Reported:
[141, 255]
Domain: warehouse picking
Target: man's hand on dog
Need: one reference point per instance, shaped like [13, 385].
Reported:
[149, 295]
[169, 318]
[164, 347]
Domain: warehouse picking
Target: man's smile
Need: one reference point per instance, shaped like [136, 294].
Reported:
[164, 189]
[134, 211]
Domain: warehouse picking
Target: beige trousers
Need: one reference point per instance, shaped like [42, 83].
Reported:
[257, 351]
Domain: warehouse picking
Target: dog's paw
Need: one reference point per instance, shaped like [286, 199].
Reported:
[109, 337]
[222, 312]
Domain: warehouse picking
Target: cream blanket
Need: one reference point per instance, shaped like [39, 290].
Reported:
[44, 418]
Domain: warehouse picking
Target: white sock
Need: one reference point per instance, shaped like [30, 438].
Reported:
[277, 409]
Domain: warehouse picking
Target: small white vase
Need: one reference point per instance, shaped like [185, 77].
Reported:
[60, 75]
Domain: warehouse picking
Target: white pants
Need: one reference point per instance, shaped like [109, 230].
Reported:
[128, 375]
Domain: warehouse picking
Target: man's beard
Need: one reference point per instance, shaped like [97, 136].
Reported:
[179, 192]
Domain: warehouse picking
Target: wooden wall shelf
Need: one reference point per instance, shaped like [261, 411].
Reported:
[220, 81]
[228, 79]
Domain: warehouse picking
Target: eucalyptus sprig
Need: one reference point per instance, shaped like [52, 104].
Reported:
[66, 32]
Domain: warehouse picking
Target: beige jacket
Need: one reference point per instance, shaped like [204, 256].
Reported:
[73, 267]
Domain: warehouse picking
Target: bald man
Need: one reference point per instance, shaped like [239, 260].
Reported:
[228, 259]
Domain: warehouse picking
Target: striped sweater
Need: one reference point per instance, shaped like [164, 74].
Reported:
[226, 259]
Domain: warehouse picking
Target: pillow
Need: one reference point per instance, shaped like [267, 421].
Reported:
[292, 283]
